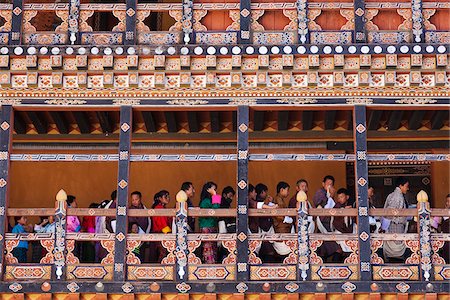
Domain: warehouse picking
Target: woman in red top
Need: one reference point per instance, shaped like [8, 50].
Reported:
[161, 224]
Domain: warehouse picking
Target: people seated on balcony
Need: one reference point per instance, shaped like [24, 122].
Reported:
[20, 252]
[209, 199]
[254, 203]
[143, 222]
[110, 222]
[375, 222]
[442, 224]
[343, 224]
[395, 250]
[302, 185]
[323, 198]
[88, 226]
[226, 224]
[134, 228]
[100, 226]
[45, 225]
[282, 224]
[161, 224]
[188, 188]
[73, 223]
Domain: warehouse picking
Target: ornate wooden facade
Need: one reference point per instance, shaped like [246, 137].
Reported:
[369, 76]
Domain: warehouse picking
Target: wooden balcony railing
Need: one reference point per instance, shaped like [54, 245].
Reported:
[182, 261]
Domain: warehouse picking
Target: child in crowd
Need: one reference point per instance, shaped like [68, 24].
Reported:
[134, 228]
[20, 252]
[161, 224]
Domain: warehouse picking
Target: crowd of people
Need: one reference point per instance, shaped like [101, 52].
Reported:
[212, 252]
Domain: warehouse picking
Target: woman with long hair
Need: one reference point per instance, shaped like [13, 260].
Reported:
[209, 199]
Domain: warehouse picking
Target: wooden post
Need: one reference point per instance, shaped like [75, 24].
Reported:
[74, 14]
[59, 267]
[362, 184]
[6, 129]
[302, 19]
[424, 223]
[130, 21]
[182, 237]
[122, 193]
[242, 193]
[417, 21]
[187, 21]
[303, 270]
[16, 23]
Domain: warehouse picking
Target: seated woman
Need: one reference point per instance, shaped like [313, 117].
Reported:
[209, 199]
[161, 224]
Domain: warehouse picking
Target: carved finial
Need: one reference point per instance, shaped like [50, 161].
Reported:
[301, 196]
[61, 196]
[422, 196]
[181, 196]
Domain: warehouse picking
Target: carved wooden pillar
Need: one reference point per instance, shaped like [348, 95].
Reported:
[302, 19]
[181, 249]
[424, 223]
[242, 193]
[362, 184]
[187, 21]
[74, 14]
[59, 267]
[120, 246]
[6, 130]
[16, 22]
[303, 269]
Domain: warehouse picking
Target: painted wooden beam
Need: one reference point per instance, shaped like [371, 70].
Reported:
[40, 124]
[215, 121]
[242, 194]
[20, 127]
[416, 119]
[83, 121]
[330, 118]
[437, 121]
[60, 121]
[105, 123]
[171, 121]
[307, 119]
[149, 121]
[374, 119]
[192, 121]
[359, 34]
[258, 120]
[120, 248]
[130, 21]
[362, 185]
[283, 120]
[16, 23]
[6, 132]
[244, 36]
[395, 119]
